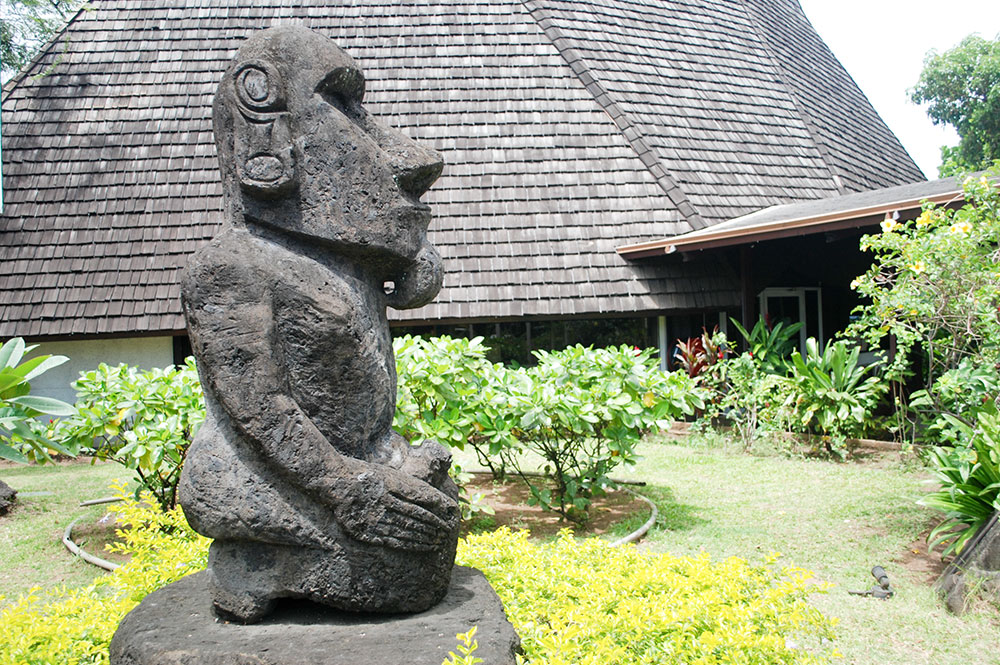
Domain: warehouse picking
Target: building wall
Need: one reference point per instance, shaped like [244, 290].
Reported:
[143, 352]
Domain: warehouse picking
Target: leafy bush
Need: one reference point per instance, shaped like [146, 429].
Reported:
[21, 440]
[831, 394]
[748, 397]
[145, 421]
[583, 411]
[448, 391]
[934, 287]
[583, 602]
[969, 475]
[571, 601]
[769, 346]
[960, 393]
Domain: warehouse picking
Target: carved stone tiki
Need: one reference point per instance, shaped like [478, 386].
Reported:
[297, 473]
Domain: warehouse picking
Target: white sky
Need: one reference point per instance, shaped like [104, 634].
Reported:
[882, 44]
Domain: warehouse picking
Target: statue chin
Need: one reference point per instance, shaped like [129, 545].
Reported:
[421, 281]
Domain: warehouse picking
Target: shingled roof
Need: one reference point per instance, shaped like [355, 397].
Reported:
[569, 128]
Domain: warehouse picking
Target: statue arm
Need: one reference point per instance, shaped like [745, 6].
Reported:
[234, 336]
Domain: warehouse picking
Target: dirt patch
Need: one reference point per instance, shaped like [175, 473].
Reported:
[94, 537]
[509, 500]
[923, 566]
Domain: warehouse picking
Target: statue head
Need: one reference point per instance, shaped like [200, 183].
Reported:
[301, 156]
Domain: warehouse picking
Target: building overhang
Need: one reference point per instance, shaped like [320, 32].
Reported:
[850, 211]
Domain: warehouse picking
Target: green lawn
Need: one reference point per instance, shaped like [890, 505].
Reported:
[837, 520]
[31, 536]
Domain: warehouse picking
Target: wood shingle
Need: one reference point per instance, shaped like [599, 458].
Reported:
[569, 128]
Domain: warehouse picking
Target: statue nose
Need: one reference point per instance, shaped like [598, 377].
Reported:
[417, 178]
[415, 167]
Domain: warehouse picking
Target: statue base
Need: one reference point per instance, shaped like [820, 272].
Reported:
[176, 626]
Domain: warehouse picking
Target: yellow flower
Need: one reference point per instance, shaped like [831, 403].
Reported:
[918, 267]
[924, 219]
[855, 283]
[961, 228]
[983, 181]
[889, 225]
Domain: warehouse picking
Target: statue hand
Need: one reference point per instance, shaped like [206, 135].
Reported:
[389, 508]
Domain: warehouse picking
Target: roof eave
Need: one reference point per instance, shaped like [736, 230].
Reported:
[853, 218]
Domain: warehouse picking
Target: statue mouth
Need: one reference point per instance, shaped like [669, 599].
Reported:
[415, 215]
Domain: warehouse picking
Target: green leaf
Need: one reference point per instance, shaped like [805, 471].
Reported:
[46, 405]
[8, 453]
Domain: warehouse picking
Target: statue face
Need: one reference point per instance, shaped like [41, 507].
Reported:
[311, 160]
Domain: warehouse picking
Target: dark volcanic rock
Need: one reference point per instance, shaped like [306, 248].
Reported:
[975, 569]
[176, 626]
[297, 473]
[7, 497]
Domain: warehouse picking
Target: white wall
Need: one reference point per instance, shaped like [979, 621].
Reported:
[143, 352]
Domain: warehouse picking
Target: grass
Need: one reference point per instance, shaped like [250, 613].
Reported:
[836, 519]
[31, 535]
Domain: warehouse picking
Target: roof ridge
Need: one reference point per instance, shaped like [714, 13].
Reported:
[601, 95]
[807, 121]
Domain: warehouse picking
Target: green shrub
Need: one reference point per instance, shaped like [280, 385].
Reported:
[832, 394]
[747, 396]
[145, 421]
[959, 393]
[583, 411]
[571, 601]
[769, 346]
[448, 391]
[585, 603]
[934, 287]
[969, 475]
[21, 439]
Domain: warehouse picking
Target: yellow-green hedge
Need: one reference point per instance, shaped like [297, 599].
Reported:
[571, 601]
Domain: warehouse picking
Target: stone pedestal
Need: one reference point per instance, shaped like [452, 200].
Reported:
[176, 626]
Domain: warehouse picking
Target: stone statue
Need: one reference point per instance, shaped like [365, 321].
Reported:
[297, 473]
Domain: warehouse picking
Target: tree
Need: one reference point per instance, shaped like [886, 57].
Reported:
[934, 285]
[962, 88]
[26, 25]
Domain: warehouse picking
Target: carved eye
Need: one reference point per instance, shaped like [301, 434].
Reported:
[254, 83]
[258, 87]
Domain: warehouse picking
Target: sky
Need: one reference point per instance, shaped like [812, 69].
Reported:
[882, 44]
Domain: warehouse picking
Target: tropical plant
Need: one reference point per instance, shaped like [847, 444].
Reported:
[831, 394]
[20, 439]
[769, 346]
[969, 476]
[698, 354]
[962, 88]
[143, 420]
[583, 411]
[960, 393]
[934, 287]
[748, 397]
